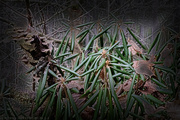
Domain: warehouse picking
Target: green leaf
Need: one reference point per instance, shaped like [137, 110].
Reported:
[102, 32]
[86, 82]
[64, 50]
[129, 107]
[124, 44]
[136, 116]
[80, 40]
[98, 105]
[111, 112]
[62, 55]
[128, 22]
[58, 105]
[60, 46]
[103, 62]
[87, 64]
[140, 101]
[72, 41]
[65, 24]
[42, 85]
[165, 91]
[42, 100]
[118, 105]
[89, 101]
[77, 62]
[103, 105]
[82, 33]
[71, 57]
[111, 81]
[112, 46]
[73, 104]
[94, 81]
[154, 42]
[109, 37]
[31, 69]
[136, 38]
[163, 46]
[115, 35]
[130, 90]
[85, 24]
[89, 43]
[81, 64]
[119, 65]
[152, 98]
[117, 75]
[158, 82]
[164, 68]
[121, 71]
[67, 69]
[96, 64]
[87, 72]
[120, 60]
[53, 74]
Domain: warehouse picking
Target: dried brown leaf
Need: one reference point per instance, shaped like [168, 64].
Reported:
[149, 88]
[127, 85]
[143, 67]
[87, 113]
[134, 48]
[79, 101]
[75, 84]
[123, 99]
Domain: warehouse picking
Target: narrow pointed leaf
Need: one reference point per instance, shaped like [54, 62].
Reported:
[59, 104]
[67, 69]
[112, 46]
[71, 57]
[124, 44]
[94, 81]
[82, 33]
[136, 38]
[80, 40]
[89, 43]
[62, 55]
[102, 32]
[60, 46]
[165, 69]
[88, 102]
[53, 74]
[152, 98]
[85, 24]
[41, 87]
[73, 104]
[131, 89]
[154, 42]
[87, 72]
[98, 105]
[64, 50]
[72, 41]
